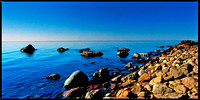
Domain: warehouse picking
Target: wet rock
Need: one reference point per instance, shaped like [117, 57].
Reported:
[136, 55]
[144, 54]
[94, 87]
[156, 80]
[180, 89]
[91, 53]
[76, 79]
[129, 65]
[123, 93]
[144, 77]
[86, 49]
[189, 82]
[156, 51]
[123, 49]
[94, 94]
[53, 76]
[101, 75]
[28, 49]
[62, 49]
[75, 92]
[122, 54]
[160, 88]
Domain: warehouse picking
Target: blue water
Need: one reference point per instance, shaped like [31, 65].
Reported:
[24, 76]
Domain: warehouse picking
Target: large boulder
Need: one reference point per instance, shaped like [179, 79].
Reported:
[62, 49]
[76, 79]
[86, 49]
[101, 75]
[91, 53]
[28, 49]
[53, 76]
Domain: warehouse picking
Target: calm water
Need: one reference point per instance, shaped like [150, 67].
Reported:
[23, 75]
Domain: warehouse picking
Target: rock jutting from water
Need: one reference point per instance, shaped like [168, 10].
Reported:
[28, 49]
[86, 49]
[123, 52]
[62, 49]
[91, 53]
[53, 76]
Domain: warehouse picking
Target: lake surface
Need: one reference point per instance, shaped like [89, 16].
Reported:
[24, 76]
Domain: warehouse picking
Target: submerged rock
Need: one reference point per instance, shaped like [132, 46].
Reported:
[91, 53]
[62, 49]
[53, 76]
[76, 79]
[28, 49]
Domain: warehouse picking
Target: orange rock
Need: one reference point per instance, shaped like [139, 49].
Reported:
[154, 80]
[148, 87]
[144, 77]
[189, 82]
[123, 93]
[141, 94]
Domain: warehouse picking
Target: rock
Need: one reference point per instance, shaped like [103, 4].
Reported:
[28, 49]
[189, 82]
[136, 55]
[155, 58]
[94, 94]
[136, 88]
[114, 86]
[144, 54]
[53, 76]
[76, 79]
[180, 89]
[173, 84]
[123, 93]
[101, 75]
[160, 88]
[117, 79]
[175, 73]
[144, 77]
[140, 72]
[155, 80]
[122, 54]
[148, 87]
[160, 46]
[173, 95]
[129, 65]
[91, 53]
[156, 51]
[86, 49]
[131, 76]
[195, 69]
[141, 94]
[107, 94]
[75, 92]
[94, 87]
[123, 49]
[115, 97]
[106, 85]
[62, 49]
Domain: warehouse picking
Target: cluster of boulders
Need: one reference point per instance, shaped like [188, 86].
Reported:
[172, 75]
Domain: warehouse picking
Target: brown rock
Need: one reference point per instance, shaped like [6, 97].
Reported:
[94, 94]
[144, 77]
[173, 95]
[116, 79]
[148, 87]
[180, 89]
[188, 82]
[115, 97]
[141, 94]
[131, 76]
[154, 80]
[75, 92]
[160, 88]
[123, 93]
[136, 89]
[175, 73]
[195, 69]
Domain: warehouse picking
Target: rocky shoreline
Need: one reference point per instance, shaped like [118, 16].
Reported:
[171, 75]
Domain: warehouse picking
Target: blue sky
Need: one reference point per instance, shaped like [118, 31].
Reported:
[69, 21]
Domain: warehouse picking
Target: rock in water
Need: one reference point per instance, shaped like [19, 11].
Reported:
[91, 53]
[28, 49]
[86, 49]
[101, 76]
[62, 49]
[123, 52]
[76, 79]
[53, 76]
[123, 49]
[136, 55]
